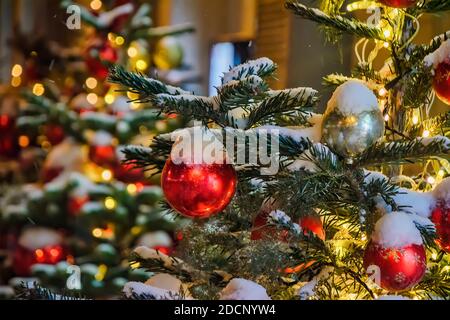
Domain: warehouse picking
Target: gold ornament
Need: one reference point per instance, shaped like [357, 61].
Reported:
[353, 121]
[168, 53]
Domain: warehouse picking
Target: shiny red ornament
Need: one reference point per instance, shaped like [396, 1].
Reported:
[103, 155]
[399, 3]
[97, 59]
[198, 190]
[48, 174]
[128, 173]
[75, 203]
[441, 218]
[313, 224]
[441, 81]
[54, 133]
[399, 268]
[166, 250]
[24, 259]
[9, 146]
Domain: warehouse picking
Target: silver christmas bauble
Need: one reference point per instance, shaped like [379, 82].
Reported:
[351, 134]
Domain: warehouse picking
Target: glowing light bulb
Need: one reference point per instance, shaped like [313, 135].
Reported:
[441, 173]
[431, 180]
[24, 141]
[38, 89]
[96, 4]
[132, 52]
[16, 70]
[97, 232]
[110, 203]
[109, 98]
[92, 98]
[386, 45]
[382, 92]
[132, 188]
[141, 64]
[107, 175]
[426, 133]
[434, 256]
[119, 40]
[386, 117]
[16, 81]
[415, 120]
[91, 82]
[387, 33]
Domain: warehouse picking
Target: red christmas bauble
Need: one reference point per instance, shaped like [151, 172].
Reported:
[98, 57]
[103, 155]
[399, 3]
[441, 218]
[166, 250]
[128, 173]
[399, 268]
[75, 203]
[54, 133]
[24, 259]
[198, 190]
[313, 224]
[9, 146]
[441, 81]
[50, 173]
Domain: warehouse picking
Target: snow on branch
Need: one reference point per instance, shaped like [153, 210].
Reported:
[262, 67]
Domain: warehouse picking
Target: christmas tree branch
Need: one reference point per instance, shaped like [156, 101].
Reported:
[439, 124]
[338, 22]
[163, 31]
[242, 92]
[36, 292]
[399, 152]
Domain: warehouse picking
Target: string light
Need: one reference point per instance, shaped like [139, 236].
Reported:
[415, 119]
[132, 52]
[107, 175]
[102, 269]
[135, 265]
[38, 89]
[426, 133]
[441, 173]
[387, 33]
[386, 45]
[141, 64]
[382, 92]
[97, 232]
[386, 117]
[92, 98]
[110, 203]
[16, 81]
[16, 70]
[109, 98]
[24, 141]
[431, 180]
[132, 188]
[434, 256]
[119, 40]
[91, 83]
[96, 4]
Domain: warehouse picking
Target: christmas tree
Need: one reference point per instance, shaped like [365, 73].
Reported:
[72, 211]
[286, 202]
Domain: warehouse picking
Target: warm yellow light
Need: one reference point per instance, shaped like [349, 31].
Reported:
[96, 4]
[92, 98]
[434, 256]
[91, 82]
[110, 203]
[119, 40]
[426, 133]
[387, 33]
[382, 92]
[136, 230]
[431, 180]
[97, 232]
[135, 265]
[132, 188]
[24, 141]
[16, 70]
[111, 36]
[109, 98]
[107, 175]
[134, 105]
[386, 45]
[441, 173]
[446, 269]
[415, 120]
[386, 117]
[38, 89]
[102, 269]
[16, 81]
[132, 52]
[363, 237]
[141, 64]
[132, 95]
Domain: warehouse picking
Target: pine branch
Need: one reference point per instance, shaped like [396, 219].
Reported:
[36, 292]
[148, 158]
[242, 93]
[298, 101]
[341, 24]
[435, 6]
[399, 152]
[334, 80]
[140, 84]
[439, 124]
[163, 31]
[436, 282]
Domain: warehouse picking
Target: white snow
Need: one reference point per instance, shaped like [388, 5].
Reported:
[443, 140]
[421, 203]
[165, 281]
[39, 237]
[98, 116]
[353, 97]
[238, 116]
[186, 97]
[396, 230]
[279, 216]
[67, 155]
[107, 18]
[242, 289]
[253, 80]
[101, 138]
[304, 162]
[370, 176]
[158, 293]
[304, 92]
[242, 71]
[309, 288]
[155, 238]
[442, 54]
[442, 191]
[148, 253]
